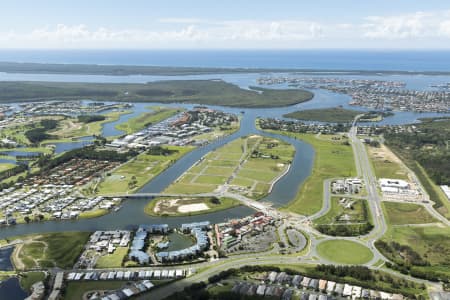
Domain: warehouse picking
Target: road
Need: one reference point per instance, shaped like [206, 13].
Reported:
[301, 223]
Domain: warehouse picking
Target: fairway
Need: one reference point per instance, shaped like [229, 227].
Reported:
[344, 252]
[406, 213]
[246, 166]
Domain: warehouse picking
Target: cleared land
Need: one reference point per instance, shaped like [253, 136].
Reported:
[188, 206]
[212, 92]
[406, 213]
[247, 166]
[113, 260]
[333, 115]
[147, 118]
[386, 164]
[333, 158]
[135, 173]
[59, 249]
[344, 252]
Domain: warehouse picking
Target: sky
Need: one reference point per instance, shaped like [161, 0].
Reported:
[231, 24]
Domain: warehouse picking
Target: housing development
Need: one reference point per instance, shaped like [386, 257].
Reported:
[220, 150]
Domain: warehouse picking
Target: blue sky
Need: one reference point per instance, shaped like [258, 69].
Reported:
[225, 24]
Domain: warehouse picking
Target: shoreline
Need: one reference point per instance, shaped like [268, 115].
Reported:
[10, 67]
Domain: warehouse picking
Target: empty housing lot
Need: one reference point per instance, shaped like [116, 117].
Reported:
[246, 166]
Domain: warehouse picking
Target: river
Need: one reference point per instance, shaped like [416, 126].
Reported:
[132, 212]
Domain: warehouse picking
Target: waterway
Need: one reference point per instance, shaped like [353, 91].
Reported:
[132, 212]
[5, 259]
[10, 289]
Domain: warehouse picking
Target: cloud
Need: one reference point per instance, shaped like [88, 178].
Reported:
[409, 26]
[394, 30]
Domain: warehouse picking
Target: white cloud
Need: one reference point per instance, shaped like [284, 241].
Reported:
[405, 30]
[409, 26]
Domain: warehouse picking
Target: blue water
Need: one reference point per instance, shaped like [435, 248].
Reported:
[5, 259]
[10, 290]
[415, 60]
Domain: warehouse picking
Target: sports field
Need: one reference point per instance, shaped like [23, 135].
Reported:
[246, 166]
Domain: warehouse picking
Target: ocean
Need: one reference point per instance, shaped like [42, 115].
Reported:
[400, 60]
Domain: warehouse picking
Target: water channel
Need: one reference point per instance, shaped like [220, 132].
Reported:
[132, 212]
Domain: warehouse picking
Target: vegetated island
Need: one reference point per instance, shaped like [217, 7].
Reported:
[336, 115]
[207, 92]
[124, 70]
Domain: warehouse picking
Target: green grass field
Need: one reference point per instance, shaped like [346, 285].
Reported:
[140, 122]
[344, 252]
[431, 242]
[6, 166]
[144, 167]
[60, 249]
[71, 128]
[334, 115]
[112, 260]
[406, 213]
[261, 159]
[29, 278]
[357, 214]
[332, 159]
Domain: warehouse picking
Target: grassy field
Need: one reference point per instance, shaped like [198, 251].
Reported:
[112, 260]
[334, 115]
[332, 159]
[144, 167]
[406, 213]
[212, 92]
[169, 210]
[71, 128]
[93, 213]
[357, 214]
[6, 166]
[431, 242]
[140, 122]
[29, 278]
[344, 252]
[255, 162]
[60, 249]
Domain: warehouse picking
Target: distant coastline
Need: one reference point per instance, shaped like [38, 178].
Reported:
[125, 70]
